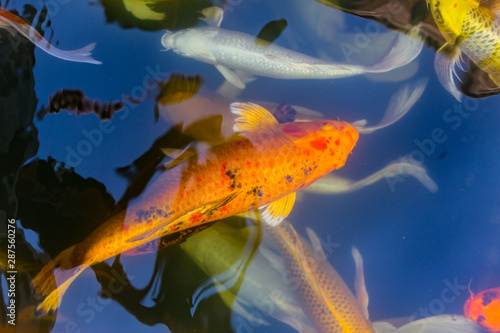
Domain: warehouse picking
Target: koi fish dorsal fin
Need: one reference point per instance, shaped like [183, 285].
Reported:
[316, 244]
[359, 284]
[274, 213]
[252, 117]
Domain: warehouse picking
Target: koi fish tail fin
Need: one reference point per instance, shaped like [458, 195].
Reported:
[401, 102]
[80, 55]
[406, 48]
[45, 282]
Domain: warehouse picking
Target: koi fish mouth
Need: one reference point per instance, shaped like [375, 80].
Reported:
[166, 40]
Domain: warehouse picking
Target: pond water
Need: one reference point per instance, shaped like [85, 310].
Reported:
[61, 176]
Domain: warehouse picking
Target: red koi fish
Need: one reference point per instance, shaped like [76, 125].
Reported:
[262, 168]
[14, 23]
[484, 309]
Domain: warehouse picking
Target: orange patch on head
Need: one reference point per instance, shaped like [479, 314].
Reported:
[484, 309]
[319, 144]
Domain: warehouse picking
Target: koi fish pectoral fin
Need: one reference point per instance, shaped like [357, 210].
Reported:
[146, 235]
[188, 220]
[274, 213]
[447, 57]
[231, 76]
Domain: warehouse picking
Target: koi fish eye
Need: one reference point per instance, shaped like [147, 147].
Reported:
[438, 17]
[437, 13]
[326, 126]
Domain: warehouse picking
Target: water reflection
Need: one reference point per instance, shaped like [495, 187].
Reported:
[402, 16]
[154, 14]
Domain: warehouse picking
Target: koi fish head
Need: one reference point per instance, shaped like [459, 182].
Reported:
[193, 43]
[484, 309]
[450, 16]
[328, 142]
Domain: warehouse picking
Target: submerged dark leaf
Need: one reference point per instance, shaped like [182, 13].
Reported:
[153, 15]
[176, 89]
[270, 32]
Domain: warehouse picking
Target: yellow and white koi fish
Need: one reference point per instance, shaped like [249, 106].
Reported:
[471, 27]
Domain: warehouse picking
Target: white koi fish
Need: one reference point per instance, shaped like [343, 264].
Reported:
[231, 50]
[14, 23]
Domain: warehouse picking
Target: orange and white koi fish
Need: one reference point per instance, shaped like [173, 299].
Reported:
[14, 23]
[263, 167]
[484, 309]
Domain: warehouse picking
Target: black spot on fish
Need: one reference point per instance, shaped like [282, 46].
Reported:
[489, 297]
[233, 176]
[289, 178]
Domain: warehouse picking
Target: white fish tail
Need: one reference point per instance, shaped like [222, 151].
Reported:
[80, 55]
[401, 102]
[447, 57]
[405, 50]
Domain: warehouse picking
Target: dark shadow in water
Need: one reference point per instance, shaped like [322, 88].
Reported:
[173, 267]
[404, 15]
[18, 143]
[75, 101]
[56, 201]
[154, 15]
